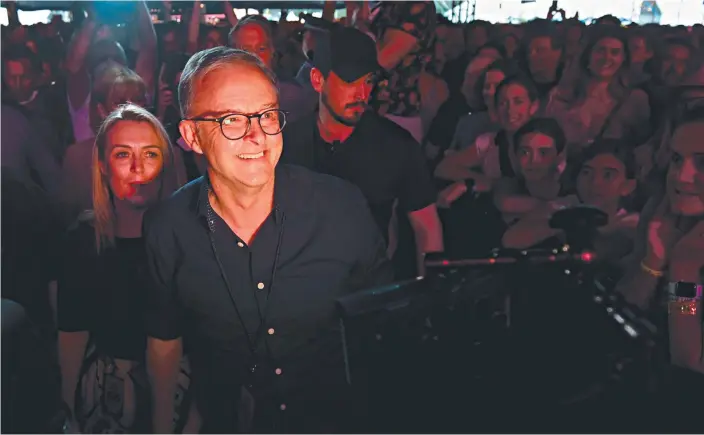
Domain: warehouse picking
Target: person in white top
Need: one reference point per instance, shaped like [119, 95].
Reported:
[93, 45]
[489, 158]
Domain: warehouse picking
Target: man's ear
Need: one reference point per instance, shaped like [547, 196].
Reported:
[628, 187]
[317, 80]
[190, 135]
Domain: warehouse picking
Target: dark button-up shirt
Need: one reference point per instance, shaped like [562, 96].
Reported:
[262, 315]
[379, 157]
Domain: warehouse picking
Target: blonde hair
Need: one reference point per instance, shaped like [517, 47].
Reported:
[103, 209]
[114, 84]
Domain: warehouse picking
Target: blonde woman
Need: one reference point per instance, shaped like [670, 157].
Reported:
[113, 85]
[101, 280]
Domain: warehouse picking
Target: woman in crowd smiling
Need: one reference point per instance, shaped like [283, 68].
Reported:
[595, 99]
[489, 158]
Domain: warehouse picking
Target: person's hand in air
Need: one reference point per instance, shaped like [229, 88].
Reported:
[451, 193]
[166, 98]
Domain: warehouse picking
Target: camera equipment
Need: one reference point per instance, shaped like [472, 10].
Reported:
[416, 342]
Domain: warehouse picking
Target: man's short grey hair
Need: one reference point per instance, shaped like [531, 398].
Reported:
[206, 61]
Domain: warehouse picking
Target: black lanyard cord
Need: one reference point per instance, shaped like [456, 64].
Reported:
[223, 274]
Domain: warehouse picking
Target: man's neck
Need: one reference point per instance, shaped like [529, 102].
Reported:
[330, 129]
[243, 208]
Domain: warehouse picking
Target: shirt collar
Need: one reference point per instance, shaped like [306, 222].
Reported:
[292, 192]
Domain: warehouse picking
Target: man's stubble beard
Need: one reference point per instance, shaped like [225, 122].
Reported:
[336, 116]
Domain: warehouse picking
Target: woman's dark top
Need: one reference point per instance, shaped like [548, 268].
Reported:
[103, 293]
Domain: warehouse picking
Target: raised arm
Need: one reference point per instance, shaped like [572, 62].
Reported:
[403, 37]
[509, 201]
[329, 10]
[460, 165]
[230, 13]
[78, 79]
[147, 58]
[193, 28]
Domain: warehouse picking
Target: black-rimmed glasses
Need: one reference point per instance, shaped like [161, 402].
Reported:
[236, 126]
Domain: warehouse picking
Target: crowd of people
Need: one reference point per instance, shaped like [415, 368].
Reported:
[183, 204]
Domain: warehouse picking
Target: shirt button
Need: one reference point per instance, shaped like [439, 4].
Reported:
[240, 244]
[277, 371]
[271, 331]
[282, 407]
[260, 286]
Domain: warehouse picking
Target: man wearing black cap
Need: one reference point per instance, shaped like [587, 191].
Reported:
[345, 140]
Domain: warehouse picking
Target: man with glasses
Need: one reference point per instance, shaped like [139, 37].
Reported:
[247, 263]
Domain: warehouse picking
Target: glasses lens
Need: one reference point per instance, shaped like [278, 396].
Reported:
[272, 121]
[234, 126]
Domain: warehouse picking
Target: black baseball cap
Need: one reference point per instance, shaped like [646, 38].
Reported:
[347, 52]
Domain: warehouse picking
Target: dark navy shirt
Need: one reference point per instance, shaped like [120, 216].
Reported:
[262, 315]
[379, 157]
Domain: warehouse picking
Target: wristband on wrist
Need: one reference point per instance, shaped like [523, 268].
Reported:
[650, 271]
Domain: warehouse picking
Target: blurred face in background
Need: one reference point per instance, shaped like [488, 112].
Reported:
[685, 175]
[454, 43]
[674, 64]
[170, 43]
[543, 59]
[476, 37]
[254, 39]
[510, 44]
[492, 78]
[308, 44]
[606, 58]
[537, 156]
[514, 107]
[472, 74]
[20, 78]
[134, 162]
[573, 36]
[602, 182]
[213, 38]
[640, 52]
